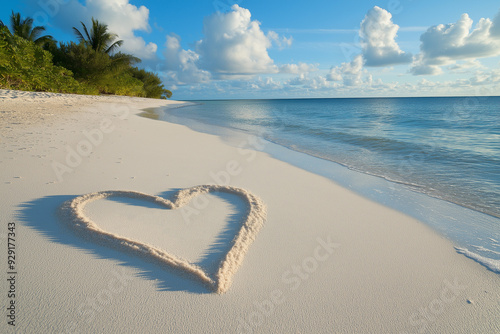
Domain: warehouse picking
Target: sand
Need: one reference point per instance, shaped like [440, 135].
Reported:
[325, 260]
[73, 213]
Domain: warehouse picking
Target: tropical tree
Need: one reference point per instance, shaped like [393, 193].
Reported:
[30, 61]
[26, 66]
[24, 29]
[4, 27]
[4, 30]
[99, 38]
[152, 86]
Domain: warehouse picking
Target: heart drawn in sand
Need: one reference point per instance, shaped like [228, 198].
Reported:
[72, 212]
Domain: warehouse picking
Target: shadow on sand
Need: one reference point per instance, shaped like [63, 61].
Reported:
[41, 215]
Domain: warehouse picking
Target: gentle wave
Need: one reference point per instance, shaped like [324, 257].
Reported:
[410, 140]
[441, 147]
[493, 265]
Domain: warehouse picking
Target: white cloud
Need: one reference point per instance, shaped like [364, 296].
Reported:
[266, 84]
[303, 81]
[182, 64]
[281, 42]
[445, 44]
[378, 48]
[318, 82]
[233, 44]
[424, 66]
[298, 68]
[233, 47]
[464, 66]
[351, 74]
[378, 39]
[122, 18]
[485, 78]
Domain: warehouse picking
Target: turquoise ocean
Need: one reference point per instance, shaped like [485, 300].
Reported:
[434, 158]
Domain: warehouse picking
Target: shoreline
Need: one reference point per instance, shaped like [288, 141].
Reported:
[326, 258]
[440, 214]
[220, 130]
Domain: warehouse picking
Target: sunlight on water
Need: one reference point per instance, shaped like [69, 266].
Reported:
[448, 148]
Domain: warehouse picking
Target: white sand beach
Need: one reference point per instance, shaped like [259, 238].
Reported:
[313, 257]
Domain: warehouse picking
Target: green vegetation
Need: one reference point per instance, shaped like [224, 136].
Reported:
[26, 66]
[93, 65]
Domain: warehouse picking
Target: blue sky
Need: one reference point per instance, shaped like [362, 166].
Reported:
[291, 49]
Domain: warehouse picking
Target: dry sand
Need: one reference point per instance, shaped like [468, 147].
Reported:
[326, 260]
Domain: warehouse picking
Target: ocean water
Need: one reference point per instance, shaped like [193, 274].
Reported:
[438, 157]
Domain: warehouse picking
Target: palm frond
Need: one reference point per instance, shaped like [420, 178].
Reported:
[114, 46]
[78, 34]
[36, 32]
[24, 28]
[86, 32]
[125, 58]
[99, 38]
[15, 22]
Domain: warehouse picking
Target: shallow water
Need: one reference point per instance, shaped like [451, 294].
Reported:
[440, 154]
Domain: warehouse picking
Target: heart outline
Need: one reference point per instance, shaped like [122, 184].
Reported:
[72, 211]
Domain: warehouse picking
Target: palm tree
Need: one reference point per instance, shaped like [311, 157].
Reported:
[24, 29]
[99, 38]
